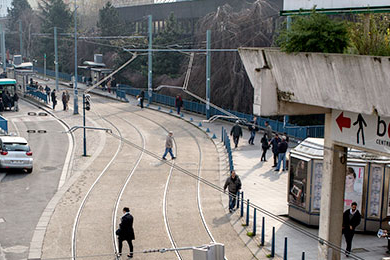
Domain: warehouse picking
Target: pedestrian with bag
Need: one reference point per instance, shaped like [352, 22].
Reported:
[169, 146]
[233, 184]
[282, 149]
[351, 219]
[275, 142]
[125, 232]
[236, 132]
[253, 128]
[178, 103]
[264, 146]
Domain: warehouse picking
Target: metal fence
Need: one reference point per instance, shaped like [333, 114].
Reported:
[36, 94]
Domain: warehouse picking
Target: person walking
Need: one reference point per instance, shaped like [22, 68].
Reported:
[178, 103]
[141, 98]
[16, 104]
[67, 99]
[47, 90]
[351, 219]
[233, 183]
[275, 142]
[282, 149]
[264, 146]
[268, 130]
[125, 232]
[54, 98]
[253, 128]
[236, 132]
[63, 98]
[169, 146]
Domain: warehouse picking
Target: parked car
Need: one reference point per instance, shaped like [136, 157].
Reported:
[15, 153]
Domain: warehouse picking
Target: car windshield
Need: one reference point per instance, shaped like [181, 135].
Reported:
[21, 147]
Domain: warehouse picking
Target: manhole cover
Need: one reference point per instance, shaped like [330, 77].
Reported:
[42, 131]
[42, 114]
[2, 220]
[31, 131]
[31, 113]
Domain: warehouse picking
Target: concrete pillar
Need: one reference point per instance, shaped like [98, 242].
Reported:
[332, 194]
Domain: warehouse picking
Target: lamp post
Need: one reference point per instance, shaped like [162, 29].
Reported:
[75, 102]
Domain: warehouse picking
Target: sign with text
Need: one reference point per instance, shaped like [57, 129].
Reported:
[290, 5]
[366, 131]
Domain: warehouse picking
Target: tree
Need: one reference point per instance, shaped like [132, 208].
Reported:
[55, 13]
[109, 23]
[20, 11]
[314, 33]
[370, 35]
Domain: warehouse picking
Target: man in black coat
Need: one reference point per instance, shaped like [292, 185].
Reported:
[351, 219]
[126, 231]
[236, 132]
[233, 183]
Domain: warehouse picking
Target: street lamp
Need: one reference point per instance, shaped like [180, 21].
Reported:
[75, 102]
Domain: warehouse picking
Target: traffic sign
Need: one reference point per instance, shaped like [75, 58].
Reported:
[359, 130]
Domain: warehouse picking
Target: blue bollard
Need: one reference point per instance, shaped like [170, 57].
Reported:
[222, 135]
[238, 200]
[303, 255]
[285, 249]
[200, 124]
[191, 119]
[159, 108]
[170, 111]
[262, 232]
[273, 242]
[247, 212]
[254, 223]
[147, 105]
[181, 115]
[207, 130]
[242, 205]
[214, 136]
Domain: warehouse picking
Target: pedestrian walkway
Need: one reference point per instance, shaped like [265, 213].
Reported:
[268, 190]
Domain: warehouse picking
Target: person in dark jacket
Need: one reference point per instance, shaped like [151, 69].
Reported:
[141, 98]
[236, 132]
[54, 98]
[275, 142]
[16, 99]
[233, 184]
[264, 146]
[126, 232]
[351, 219]
[178, 103]
[47, 90]
[282, 149]
[64, 100]
[253, 128]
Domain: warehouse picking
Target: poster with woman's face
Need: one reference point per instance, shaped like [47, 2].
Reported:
[354, 186]
[298, 180]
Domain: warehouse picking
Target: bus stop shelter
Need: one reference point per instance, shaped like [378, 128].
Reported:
[352, 92]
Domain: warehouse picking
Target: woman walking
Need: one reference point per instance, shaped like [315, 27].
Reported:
[264, 146]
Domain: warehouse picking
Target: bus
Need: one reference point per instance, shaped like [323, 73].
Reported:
[7, 92]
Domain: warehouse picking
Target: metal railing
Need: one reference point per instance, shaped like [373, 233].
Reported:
[36, 94]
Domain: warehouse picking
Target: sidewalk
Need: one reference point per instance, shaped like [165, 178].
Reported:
[266, 189]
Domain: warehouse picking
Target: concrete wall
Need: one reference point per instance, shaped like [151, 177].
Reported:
[309, 83]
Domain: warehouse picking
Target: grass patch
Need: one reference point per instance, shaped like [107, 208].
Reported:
[250, 234]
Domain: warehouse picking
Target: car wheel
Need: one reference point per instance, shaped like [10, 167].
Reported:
[29, 170]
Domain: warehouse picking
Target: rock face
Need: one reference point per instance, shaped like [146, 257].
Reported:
[230, 85]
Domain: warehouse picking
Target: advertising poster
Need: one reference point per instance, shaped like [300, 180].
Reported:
[375, 191]
[317, 186]
[298, 181]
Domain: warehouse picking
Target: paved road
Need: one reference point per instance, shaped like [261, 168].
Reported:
[23, 196]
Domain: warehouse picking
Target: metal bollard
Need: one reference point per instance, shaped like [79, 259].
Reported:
[238, 200]
[303, 255]
[247, 212]
[208, 130]
[254, 222]
[262, 232]
[285, 249]
[242, 205]
[222, 135]
[273, 242]
[200, 124]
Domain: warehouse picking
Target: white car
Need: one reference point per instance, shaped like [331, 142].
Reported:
[15, 153]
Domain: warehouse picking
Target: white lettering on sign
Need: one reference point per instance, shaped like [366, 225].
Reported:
[291, 5]
[366, 131]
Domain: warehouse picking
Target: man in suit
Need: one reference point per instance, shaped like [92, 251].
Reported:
[351, 219]
[126, 231]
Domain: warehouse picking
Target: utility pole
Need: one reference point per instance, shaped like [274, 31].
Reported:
[56, 56]
[150, 60]
[44, 64]
[208, 73]
[76, 105]
[3, 48]
[21, 38]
